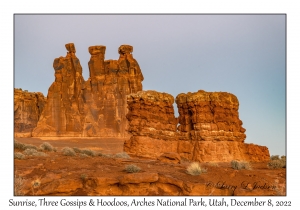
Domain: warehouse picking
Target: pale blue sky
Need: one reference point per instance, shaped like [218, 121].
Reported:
[241, 54]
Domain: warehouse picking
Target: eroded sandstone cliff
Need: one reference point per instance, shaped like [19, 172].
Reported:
[96, 107]
[27, 111]
[209, 127]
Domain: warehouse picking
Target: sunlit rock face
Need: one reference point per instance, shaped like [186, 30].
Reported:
[28, 107]
[152, 124]
[209, 128]
[96, 107]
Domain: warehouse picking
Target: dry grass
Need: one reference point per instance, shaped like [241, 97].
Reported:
[238, 165]
[195, 169]
[67, 151]
[47, 147]
[19, 155]
[132, 168]
[122, 155]
[276, 162]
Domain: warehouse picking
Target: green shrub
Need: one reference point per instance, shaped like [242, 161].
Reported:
[238, 165]
[19, 156]
[122, 155]
[132, 168]
[195, 169]
[67, 151]
[47, 147]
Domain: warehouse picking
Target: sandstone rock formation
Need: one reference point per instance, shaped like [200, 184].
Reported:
[106, 89]
[64, 112]
[209, 127]
[152, 123]
[96, 107]
[27, 110]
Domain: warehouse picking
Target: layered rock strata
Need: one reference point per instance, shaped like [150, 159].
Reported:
[28, 107]
[96, 107]
[209, 128]
[152, 123]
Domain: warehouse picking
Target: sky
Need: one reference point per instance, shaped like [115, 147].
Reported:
[241, 54]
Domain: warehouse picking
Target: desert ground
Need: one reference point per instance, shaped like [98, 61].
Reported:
[104, 173]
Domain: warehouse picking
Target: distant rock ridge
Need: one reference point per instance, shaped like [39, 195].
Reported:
[209, 127]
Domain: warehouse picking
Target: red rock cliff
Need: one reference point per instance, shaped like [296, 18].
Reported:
[27, 111]
[209, 127]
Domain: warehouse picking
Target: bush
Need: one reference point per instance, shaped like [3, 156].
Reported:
[105, 155]
[67, 151]
[122, 155]
[21, 146]
[88, 152]
[195, 169]
[18, 145]
[277, 163]
[47, 147]
[30, 151]
[19, 156]
[238, 165]
[83, 177]
[275, 157]
[132, 168]
[77, 150]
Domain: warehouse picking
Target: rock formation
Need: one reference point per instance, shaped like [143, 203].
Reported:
[27, 110]
[152, 123]
[96, 107]
[106, 89]
[64, 112]
[209, 127]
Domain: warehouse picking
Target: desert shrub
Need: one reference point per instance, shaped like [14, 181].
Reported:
[275, 157]
[47, 147]
[19, 156]
[132, 168]
[122, 155]
[83, 177]
[238, 165]
[34, 152]
[21, 146]
[277, 163]
[195, 169]
[105, 155]
[30, 146]
[30, 151]
[18, 145]
[77, 150]
[67, 151]
[83, 155]
[88, 152]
